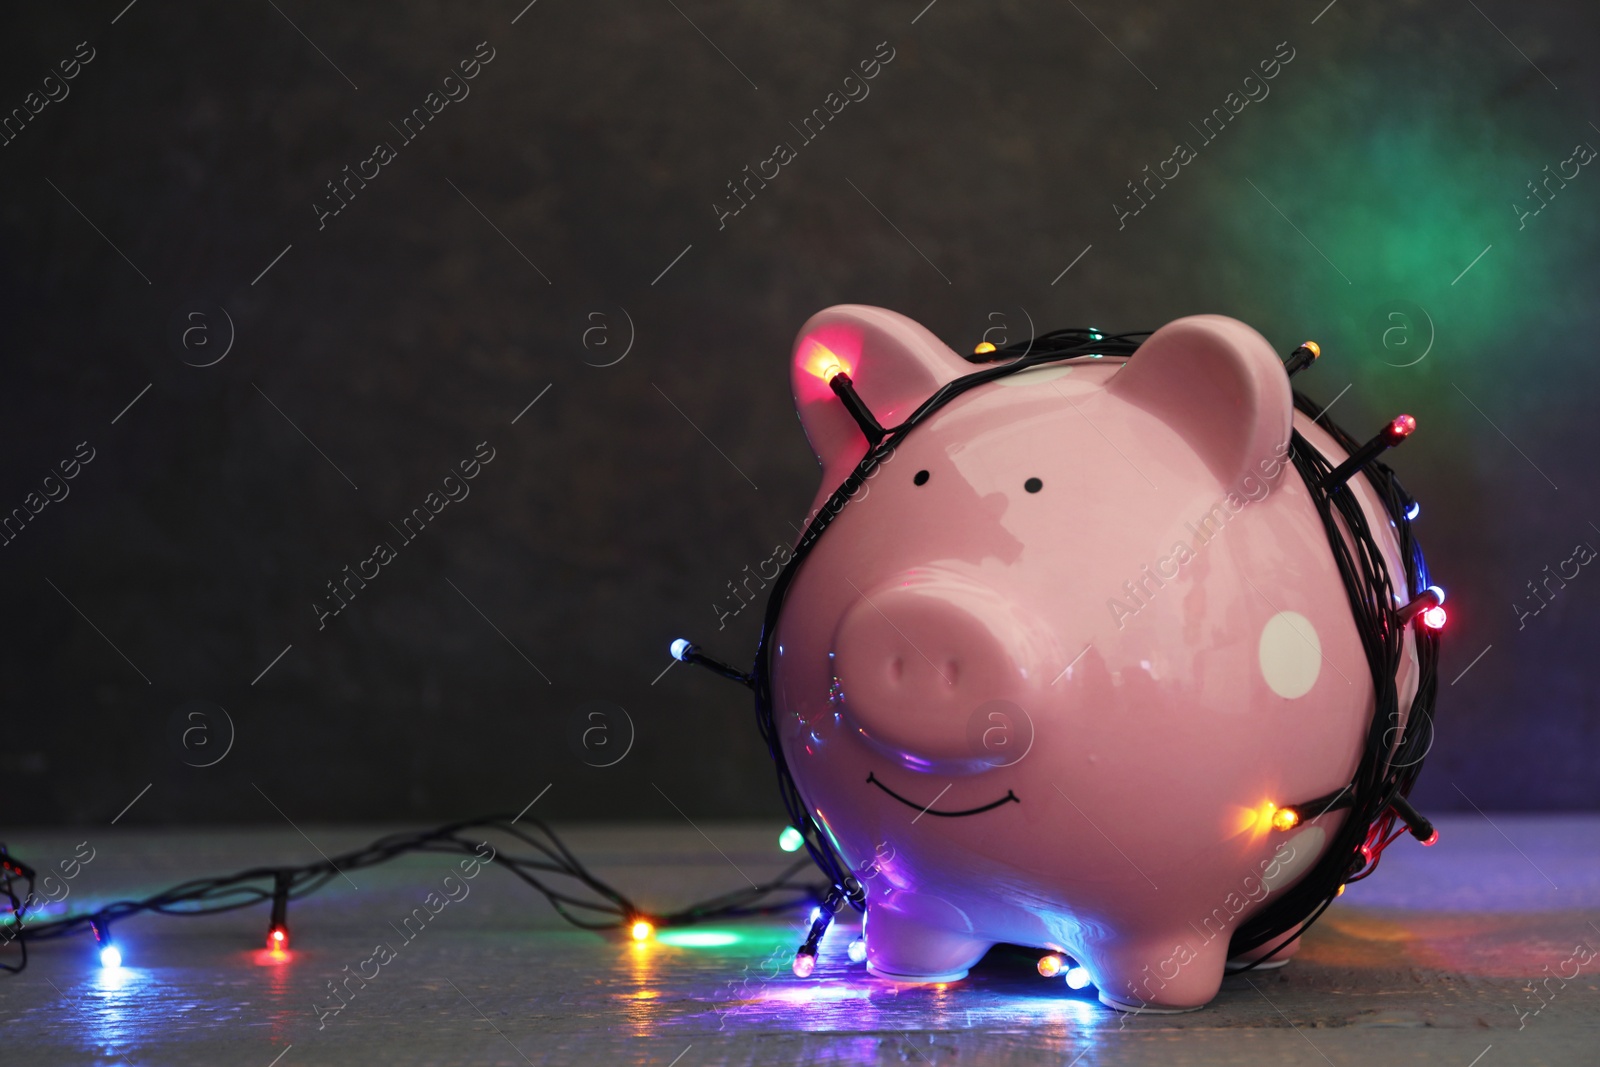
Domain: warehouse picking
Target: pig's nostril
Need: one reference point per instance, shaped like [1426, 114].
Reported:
[952, 671]
[897, 669]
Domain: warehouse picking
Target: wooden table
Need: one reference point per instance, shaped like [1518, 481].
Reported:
[1427, 962]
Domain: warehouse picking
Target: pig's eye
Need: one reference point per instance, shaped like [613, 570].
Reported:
[920, 478]
[1033, 485]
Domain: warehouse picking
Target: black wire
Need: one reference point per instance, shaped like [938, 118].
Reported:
[12, 871]
[606, 909]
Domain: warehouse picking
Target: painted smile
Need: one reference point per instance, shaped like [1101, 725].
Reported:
[1009, 798]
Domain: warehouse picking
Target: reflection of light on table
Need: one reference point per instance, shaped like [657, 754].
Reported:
[116, 980]
[812, 992]
[286, 1014]
[642, 968]
[116, 1009]
[698, 938]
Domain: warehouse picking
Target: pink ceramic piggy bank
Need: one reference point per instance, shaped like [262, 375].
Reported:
[1047, 675]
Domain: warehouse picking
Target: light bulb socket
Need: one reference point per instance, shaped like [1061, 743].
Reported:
[280, 899]
[1429, 598]
[685, 651]
[845, 390]
[1397, 430]
[1416, 823]
[1301, 358]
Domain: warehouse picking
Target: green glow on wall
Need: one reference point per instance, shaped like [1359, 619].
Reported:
[1406, 192]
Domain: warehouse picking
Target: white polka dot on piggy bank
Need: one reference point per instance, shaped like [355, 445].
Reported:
[1048, 673]
[1290, 654]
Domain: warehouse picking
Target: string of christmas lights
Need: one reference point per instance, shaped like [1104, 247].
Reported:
[605, 908]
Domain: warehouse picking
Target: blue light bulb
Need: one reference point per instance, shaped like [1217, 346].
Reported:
[1077, 977]
[791, 839]
[858, 950]
[1438, 591]
[679, 647]
[110, 957]
[1414, 510]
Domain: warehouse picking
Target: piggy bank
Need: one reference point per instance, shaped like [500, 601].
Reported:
[1052, 670]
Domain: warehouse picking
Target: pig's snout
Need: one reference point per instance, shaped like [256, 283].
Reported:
[917, 659]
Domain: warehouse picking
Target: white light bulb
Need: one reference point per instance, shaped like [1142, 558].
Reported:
[858, 950]
[111, 957]
[1077, 977]
[679, 647]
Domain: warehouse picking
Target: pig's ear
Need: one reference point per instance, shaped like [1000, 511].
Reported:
[1221, 386]
[895, 364]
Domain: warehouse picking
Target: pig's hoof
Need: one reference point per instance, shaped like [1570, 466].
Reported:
[918, 979]
[1164, 975]
[907, 948]
[1144, 1009]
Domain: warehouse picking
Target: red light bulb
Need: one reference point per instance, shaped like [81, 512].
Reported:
[1431, 838]
[1434, 618]
[278, 939]
[1401, 428]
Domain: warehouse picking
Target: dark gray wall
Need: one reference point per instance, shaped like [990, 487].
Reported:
[410, 327]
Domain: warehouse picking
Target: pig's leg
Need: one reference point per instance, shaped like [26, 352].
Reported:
[1161, 975]
[907, 949]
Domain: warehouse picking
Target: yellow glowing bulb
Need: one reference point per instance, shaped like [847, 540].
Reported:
[642, 930]
[1340, 893]
[1051, 965]
[824, 362]
[1316, 349]
[1285, 819]
[983, 349]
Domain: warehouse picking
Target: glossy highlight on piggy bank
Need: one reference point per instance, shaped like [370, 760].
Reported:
[1073, 667]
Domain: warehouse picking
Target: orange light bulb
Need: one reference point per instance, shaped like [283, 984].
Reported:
[1285, 819]
[643, 931]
